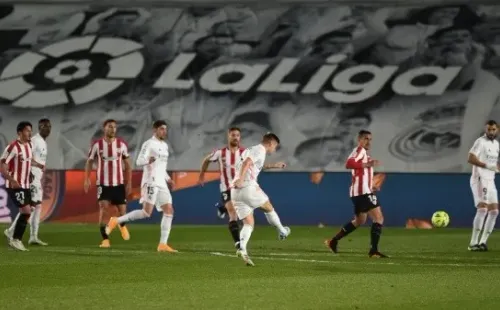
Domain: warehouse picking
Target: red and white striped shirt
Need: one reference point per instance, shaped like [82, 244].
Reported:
[362, 178]
[227, 164]
[18, 157]
[110, 157]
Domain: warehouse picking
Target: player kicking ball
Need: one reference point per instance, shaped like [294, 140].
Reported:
[362, 195]
[483, 156]
[153, 157]
[247, 195]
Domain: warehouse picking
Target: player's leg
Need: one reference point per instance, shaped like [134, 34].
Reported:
[120, 201]
[148, 200]
[103, 209]
[34, 221]
[377, 218]
[233, 226]
[164, 205]
[491, 220]
[479, 194]
[9, 232]
[22, 199]
[274, 219]
[360, 216]
[246, 232]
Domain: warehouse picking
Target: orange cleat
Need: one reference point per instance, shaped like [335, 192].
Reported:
[125, 233]
[162, 247]
[113, 222]
[105, 244]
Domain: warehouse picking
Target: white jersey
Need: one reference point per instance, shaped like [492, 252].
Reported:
[154, 174]
[39, 149]
[486, 151]
[258, 155]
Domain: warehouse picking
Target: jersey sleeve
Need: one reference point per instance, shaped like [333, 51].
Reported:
[124, 150]
[143, 158]
[214, 156]
[476, 148]
[8, 154]
[94, 150]
[255, 154]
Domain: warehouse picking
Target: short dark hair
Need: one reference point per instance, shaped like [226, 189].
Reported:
[269, 137]
[363, 132]
[158, 124]
[106, 122]
[491, 123]
[234, 129]
[22, 125]
[43, 120]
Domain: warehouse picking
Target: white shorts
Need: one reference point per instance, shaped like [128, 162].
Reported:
[247, 199]
[157, 196]
[483, 191]
[36, 193]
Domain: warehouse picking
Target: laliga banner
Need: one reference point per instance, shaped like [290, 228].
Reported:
[424, 79]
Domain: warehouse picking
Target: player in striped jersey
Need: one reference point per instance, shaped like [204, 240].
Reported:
[362, 195]
[227, 158]
[112, 185]
[15, 166]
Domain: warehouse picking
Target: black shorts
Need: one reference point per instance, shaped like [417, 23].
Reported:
[114, 194]
[20, 196]
[226, 196]
[365, 203]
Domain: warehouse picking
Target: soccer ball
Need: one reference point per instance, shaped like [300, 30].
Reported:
[440, 219]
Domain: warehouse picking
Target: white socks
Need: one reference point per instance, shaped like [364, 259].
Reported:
[13, 224]
[478, 225]
[166, 225]
[133, 216]
[273, 219]
[245, 234]
[489, 225]
[34, 221]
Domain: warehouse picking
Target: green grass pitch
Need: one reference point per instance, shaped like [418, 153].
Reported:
[428, 269]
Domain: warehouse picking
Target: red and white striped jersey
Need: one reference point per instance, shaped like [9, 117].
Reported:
[110, 156]
[18, 158]
[227, 164]
[362, 178]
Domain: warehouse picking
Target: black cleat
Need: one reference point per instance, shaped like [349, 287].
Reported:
[474, 248]
[376, 254]
[332, 245]
[483, 247]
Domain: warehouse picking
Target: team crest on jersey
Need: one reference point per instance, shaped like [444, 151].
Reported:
[436, 136]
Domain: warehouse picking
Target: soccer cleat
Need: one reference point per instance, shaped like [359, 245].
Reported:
[221, 211]
[17, 245]
[125, 233]
[285, 234]
[36, 241]
[247, 259]
[113, 222]
[474, 248]
[376, 254]
[483, 247]
[162, 247]
[332, 245]
[7, 234]
[105, 244]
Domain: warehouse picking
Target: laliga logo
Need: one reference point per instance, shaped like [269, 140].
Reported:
[76, 70]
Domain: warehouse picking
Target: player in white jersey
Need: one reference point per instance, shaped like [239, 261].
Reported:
[227, 158]
[39, 149]
[247, 195]
[153, 157]
[483, 156]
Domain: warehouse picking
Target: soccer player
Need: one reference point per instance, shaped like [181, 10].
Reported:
[362, 195]
[15, 165]
[153, 157]
[39, 149]
[247, 195]
[112, 186]
[227, 158]
[483, 156]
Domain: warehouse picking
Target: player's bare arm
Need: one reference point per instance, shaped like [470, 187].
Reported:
[88, 167]
[204, 167]
[128, 175]
[279, 165]
[4, 169]
[34, 163]
[473, 160]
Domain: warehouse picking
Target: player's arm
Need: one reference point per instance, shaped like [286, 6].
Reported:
[210, 158]
[89, 164]
[127, 166]
[8, 155]
[355, 161]
[279, 165]
[144, 157]
[473, 159]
